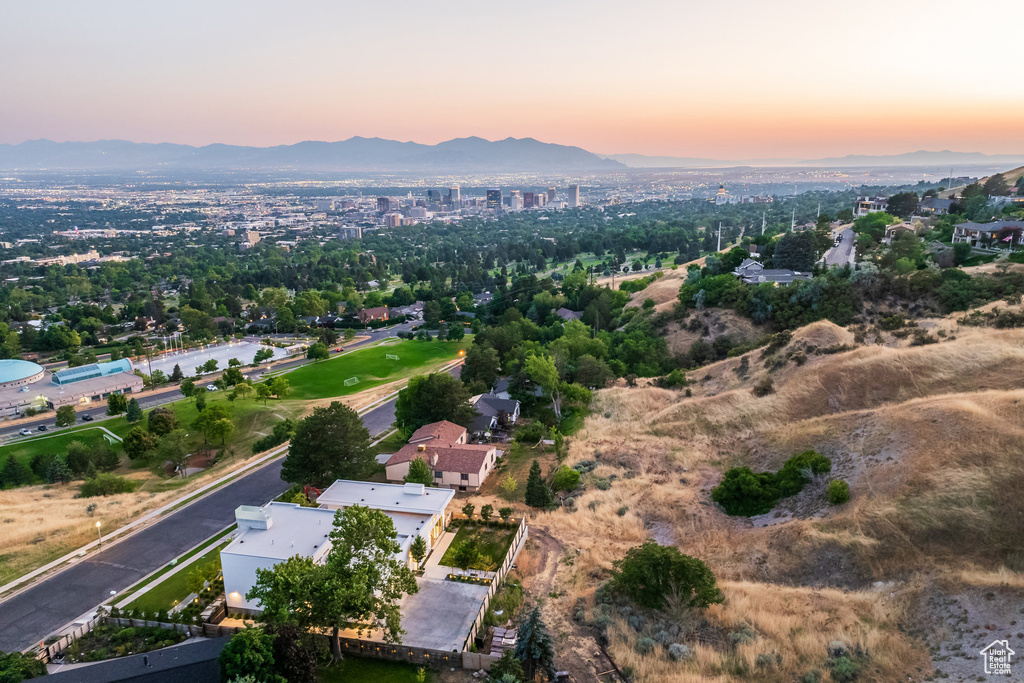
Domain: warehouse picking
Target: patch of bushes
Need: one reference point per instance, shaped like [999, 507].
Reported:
[106, 485]
[746, 493]
[283, 431]
[764, 387]
[566, 479]
[837, 492]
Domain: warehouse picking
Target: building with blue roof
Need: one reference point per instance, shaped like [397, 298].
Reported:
[26, 385]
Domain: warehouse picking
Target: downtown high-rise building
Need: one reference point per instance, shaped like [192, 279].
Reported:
[515, 201]
[455, 197]
[494, 199]
[529, 200]
[383, 205]
[574, 195]
[552, 193]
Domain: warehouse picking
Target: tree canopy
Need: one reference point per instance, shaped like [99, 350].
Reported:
[330, 444]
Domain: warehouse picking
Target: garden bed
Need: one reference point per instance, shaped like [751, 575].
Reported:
[108, 641]
[493, 542]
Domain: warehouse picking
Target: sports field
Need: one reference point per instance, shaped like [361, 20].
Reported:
[371, 367]
[55, 443]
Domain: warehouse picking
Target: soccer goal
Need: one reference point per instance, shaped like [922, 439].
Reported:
[391, 356]
[351, 381]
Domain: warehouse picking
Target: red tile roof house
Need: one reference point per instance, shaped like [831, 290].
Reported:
[378, 313]
[455, 463]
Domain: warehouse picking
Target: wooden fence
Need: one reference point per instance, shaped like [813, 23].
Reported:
[517, 545]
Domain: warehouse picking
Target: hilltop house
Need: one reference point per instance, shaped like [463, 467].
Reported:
[934, 205]
[454, 462]
[753, 272]
[997, 234]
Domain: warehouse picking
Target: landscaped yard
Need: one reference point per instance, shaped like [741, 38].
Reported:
[517, 461]
[371, 367]
[361, 670]
[493, 543]
[165, 594]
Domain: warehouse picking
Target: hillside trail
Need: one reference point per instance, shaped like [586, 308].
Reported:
[576, 650]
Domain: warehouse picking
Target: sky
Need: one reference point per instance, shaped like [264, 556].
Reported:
[730, 79]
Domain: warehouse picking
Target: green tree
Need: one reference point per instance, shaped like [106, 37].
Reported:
[176, 374]
[651, 573]
[419, 473]
[65, 416]
[200, 394]
[505, 513]
[137, 443]
[15, 667]
[262, 355]
[117, 404]
[837, 491]
[232, 377]
[162, 421]
[349, 334]
[330, 444]
[250, 652]
[221, 429]
[318, 352]
[466, 554]
[263, 393]
[795, 251]
[903, 204]
[210, 365]
[295, 653]
[432, 398]
[468, 509]
[174, 448]
[188, 387]
[418, 550]
[534, 647]
[205, 420]
[996, 186]
[134, 412]
[486, 511]
[507, 666]
[565, 479]
[279, 386]
[14, 473]
[79, 457]
[481, 365]
[58, 471]
[542, 370]
[537, 493]
[361, 582]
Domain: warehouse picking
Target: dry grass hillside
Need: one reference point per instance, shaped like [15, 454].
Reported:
[918, 568]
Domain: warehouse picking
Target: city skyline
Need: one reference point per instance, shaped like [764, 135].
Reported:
[795, 79]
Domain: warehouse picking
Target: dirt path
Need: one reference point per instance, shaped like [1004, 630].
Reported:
[576, 650]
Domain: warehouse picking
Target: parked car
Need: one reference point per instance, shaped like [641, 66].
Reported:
[41, 428]
[24, 432]
[211, 387]
[87, 418]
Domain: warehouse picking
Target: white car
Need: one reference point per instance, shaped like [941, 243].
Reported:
[25, 432]
[211, 387]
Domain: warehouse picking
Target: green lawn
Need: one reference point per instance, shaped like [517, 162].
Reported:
[163, 595]
[371, 366]
[251, 418]
[493, 543]
[360, 670]
[56, 443]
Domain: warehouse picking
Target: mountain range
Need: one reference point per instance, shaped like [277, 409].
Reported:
[919, 158]
[462, 155]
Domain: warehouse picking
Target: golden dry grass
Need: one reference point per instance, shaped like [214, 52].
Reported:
[931, 439]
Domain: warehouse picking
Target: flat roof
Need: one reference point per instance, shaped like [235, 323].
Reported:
[294, 530]
[412, 498]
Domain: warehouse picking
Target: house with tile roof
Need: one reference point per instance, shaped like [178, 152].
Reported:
[455, 463]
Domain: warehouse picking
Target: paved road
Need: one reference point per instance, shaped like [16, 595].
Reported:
[50, 604]
[840, 256]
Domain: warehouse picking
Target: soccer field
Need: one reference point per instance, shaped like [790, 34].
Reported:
[55, 443]
[371, 367]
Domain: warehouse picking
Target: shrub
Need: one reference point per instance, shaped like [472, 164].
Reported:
[843, 669]
[838, 491]
[744, 492]
[621, 512]
[644, 645]
[650, 573]
[603, 484]
[106, 485]
[678, 651]
[793, 475]
[566, 479]
[764, 387]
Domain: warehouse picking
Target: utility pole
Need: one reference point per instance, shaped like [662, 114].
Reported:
[818, 215]
[719, 235]
[792, 223]
[763, 221]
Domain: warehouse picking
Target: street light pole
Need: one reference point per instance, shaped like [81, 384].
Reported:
[99, 533]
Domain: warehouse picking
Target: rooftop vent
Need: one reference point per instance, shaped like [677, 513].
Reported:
[414, 489]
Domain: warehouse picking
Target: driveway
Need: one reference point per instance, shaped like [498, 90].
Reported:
[843, 254]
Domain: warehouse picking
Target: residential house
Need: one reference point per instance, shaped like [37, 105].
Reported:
[271, 534]
[378, 313]
[454, 462]
[752, 272]
[997, 234]
[567, 315]
[892, 230]
[934, 206]
[495, 413]
[869, 205]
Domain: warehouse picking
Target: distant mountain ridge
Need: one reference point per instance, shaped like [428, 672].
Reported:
[472, 154]
[919, 158]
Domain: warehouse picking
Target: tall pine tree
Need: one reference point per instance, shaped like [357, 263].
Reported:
[134, 413]
[534, 647]
[176, 374]
[537, 493]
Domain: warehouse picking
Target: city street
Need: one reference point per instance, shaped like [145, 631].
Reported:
[843, 254]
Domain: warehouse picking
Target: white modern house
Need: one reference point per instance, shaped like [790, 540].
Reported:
[267, 536]
[271, 534]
